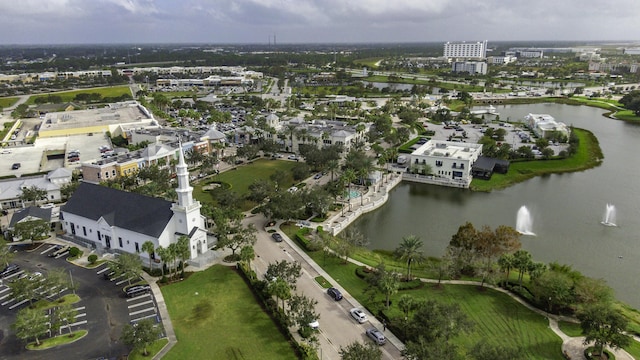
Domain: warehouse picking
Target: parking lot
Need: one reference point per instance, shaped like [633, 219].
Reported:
[103, 310]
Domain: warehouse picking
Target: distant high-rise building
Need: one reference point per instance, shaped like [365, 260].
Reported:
[472, 50]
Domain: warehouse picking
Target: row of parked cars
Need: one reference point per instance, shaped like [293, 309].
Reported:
[131, 291]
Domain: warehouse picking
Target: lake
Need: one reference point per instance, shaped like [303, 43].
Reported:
[566, 209]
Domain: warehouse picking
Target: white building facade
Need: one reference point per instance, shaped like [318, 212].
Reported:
[471, 50]
[449, 162]
[544, 125]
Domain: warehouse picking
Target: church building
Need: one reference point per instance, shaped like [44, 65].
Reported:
[112, 220]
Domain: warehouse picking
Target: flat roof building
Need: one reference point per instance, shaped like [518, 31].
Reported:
[471, 50]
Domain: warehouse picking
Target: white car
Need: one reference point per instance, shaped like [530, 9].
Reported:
[292, 157]
[314, 325]
[358, 315]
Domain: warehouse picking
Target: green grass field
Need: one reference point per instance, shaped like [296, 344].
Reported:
[245, 174]
[497, 317]
[7, 101]
[67, 96]
[215, 316]
[589, 155]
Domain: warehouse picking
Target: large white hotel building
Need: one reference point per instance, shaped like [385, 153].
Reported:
[471, 50]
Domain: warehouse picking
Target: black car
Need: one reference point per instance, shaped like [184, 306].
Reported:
[137, 290]
[15, 166]
[277, 237]
[10, 269]
[334, 293]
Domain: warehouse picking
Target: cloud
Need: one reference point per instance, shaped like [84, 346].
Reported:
[225, 21]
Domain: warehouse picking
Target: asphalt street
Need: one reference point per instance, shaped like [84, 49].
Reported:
[337, 328]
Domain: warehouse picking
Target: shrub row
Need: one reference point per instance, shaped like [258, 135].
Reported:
[259, 290]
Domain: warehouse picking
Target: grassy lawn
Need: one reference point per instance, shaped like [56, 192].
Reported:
[7, 101]
[497, 317]
[153, 349]
[70, 95]
[215, 316]
[570, 328]
[244, 175]
[589, 155]
[58, 340]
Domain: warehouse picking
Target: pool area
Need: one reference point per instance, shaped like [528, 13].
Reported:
[352, 194]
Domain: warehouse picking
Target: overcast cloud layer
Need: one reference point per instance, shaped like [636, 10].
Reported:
[313, 21]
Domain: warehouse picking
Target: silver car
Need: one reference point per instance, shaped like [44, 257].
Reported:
[358, 315]
[376, 335]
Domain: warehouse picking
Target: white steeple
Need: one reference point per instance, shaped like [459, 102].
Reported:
[186, 211]
[184, 191]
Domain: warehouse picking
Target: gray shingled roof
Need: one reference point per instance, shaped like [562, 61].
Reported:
[135, 212]
[31, 211]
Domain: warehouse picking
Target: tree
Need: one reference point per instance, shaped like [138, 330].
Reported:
[279, 288]
[183, 250]
[604, 326]
[631, 101]
[26, 288]
[461, 248]
[410, 250]
[140, 335]
[491, 244]
[553, 289]
[359, 351]
[30, 323]
[150, 249]
[505, 261]
[348, 176]
[591, 291]
[434, 320]
[31, 230]
[351, 239]
[64, 314]
[243, 236]
[5, 253]
[302, 310]
[247, 254]
[386, 282]
[127, 265]
[288, 271]
[522, 261]
[33, 194]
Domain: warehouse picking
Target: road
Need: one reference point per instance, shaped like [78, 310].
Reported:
[337, 328]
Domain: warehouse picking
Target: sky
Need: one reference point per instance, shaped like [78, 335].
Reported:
[314, 21]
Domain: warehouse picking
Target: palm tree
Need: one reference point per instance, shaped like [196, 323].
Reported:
[149, 248]
[162, 252]
[183, 250]
[348, 176]
[410, 250]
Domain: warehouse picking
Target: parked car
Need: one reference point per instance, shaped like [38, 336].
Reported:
[15, 166]
[376, 335]
[59, 250]
[9, 269]
[314, 324]
[292, 157]
[358, 315]
[137, 290]
[317, 176]
[277, 237]
[334, 293]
